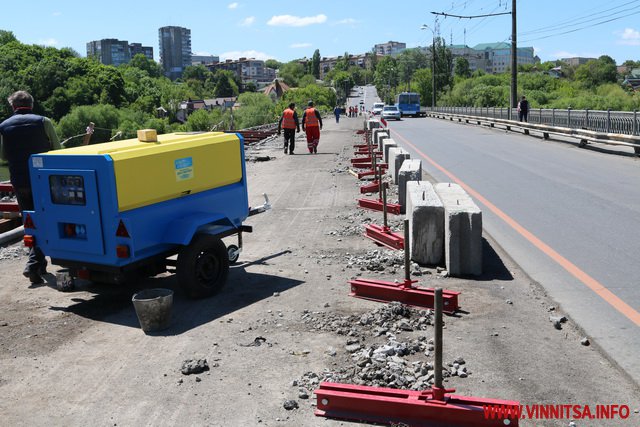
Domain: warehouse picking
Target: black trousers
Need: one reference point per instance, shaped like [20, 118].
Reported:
[290, 139]
[36, 259]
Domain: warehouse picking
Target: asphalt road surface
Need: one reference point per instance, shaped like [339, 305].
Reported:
[569, 216]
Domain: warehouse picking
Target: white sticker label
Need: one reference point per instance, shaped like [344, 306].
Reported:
[37, 162]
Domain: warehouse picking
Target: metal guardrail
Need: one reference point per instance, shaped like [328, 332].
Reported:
[607, 127]
[621, 122]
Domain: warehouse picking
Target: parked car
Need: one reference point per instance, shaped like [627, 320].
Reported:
[390, 112]
[377, 108]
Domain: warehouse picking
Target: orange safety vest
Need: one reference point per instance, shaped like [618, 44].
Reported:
[288, 122]
[310, 118]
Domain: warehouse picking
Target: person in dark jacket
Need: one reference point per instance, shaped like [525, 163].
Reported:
[312, 124]
[523, 109]
[22, 135]
[290, 123]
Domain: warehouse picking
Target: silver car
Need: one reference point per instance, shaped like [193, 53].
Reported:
[390, 112]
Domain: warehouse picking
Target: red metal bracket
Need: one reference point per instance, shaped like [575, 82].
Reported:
[378, 205]
[9, 207]
[373, 187]
[404, 292]
[6, 187]
[369, 165]
[435, 408]
[384, 236]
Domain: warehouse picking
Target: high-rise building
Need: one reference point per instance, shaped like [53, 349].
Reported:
[137, 48]
[175, 50]
[109, 51]
[116, 52]
[389, 48]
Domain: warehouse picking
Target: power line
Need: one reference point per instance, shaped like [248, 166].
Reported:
[583, 20]
[581, 28]
[446, 15]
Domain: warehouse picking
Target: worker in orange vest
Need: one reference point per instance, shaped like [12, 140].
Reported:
[312, 124]
[290, 123]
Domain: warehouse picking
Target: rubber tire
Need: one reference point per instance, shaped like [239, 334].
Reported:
[232, 248]
[203, 266]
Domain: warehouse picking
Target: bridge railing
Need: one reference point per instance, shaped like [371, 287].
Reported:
[608, 127]
[607, 121]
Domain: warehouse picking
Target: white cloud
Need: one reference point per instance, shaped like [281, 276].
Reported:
[233, 5]
[299, 45]
[248, 21]
[564, 54]
[347, 21]
[629, 37]
[235, 54]
[47, 42]
[296, 21]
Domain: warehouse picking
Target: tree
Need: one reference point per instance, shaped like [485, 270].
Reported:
[291, 72]
[250, 87]
[151, 67]
[256, 109]
[422, 79]
[273, 64]
[306, 80]
[226, 84]
[343, 82]
[7, 37]
[461, 69]
[409, 61]
[316, 64]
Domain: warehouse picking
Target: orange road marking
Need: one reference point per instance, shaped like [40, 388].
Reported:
[597, 287]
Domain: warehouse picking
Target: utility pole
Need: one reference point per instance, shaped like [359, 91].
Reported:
[433, 71]
[514, 58]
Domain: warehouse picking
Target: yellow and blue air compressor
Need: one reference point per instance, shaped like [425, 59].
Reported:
[111, 211]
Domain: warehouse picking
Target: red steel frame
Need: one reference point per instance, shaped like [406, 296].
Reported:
[404, 292]
[387, 405]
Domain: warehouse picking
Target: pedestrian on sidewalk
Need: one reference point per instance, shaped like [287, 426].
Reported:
[312, 124]
[22, 135]
[523, 109]
[337, 111]
[290, 123]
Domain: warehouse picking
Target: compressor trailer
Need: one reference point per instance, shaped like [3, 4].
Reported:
[116, 211]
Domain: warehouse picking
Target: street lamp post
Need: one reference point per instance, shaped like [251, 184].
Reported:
[433, 64]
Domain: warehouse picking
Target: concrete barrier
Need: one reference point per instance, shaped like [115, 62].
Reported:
[411, 170]
[397, 155]
[425, 213]
[462, 231]
[380, 134]
[373, 124]
[386, 145]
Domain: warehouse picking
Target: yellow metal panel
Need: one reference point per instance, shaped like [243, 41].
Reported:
[177, 165]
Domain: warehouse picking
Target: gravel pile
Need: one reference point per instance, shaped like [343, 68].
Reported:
[390, 318]
[12, 252]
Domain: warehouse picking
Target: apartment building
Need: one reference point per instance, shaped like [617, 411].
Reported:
[175, 50]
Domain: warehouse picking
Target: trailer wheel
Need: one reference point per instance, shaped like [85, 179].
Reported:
[203, 266]
[232, 251]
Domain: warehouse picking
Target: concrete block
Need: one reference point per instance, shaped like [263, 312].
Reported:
[397, 155]
[462, 231]
[411, 170]
[386, 145]
[425, 213]
[373, 124]
[381, 139]
[378, 134]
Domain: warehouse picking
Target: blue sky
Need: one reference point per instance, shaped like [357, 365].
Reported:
[285, 30]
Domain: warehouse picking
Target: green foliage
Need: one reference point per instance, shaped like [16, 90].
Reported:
[6, 37]
[73, 124]
[315, 64]
[306, 80]
[323, 97]
[423, 84]
[461, 68]
[203, 120]
[291, 72]
[408, 62]
[272, 63]
[256, 109]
